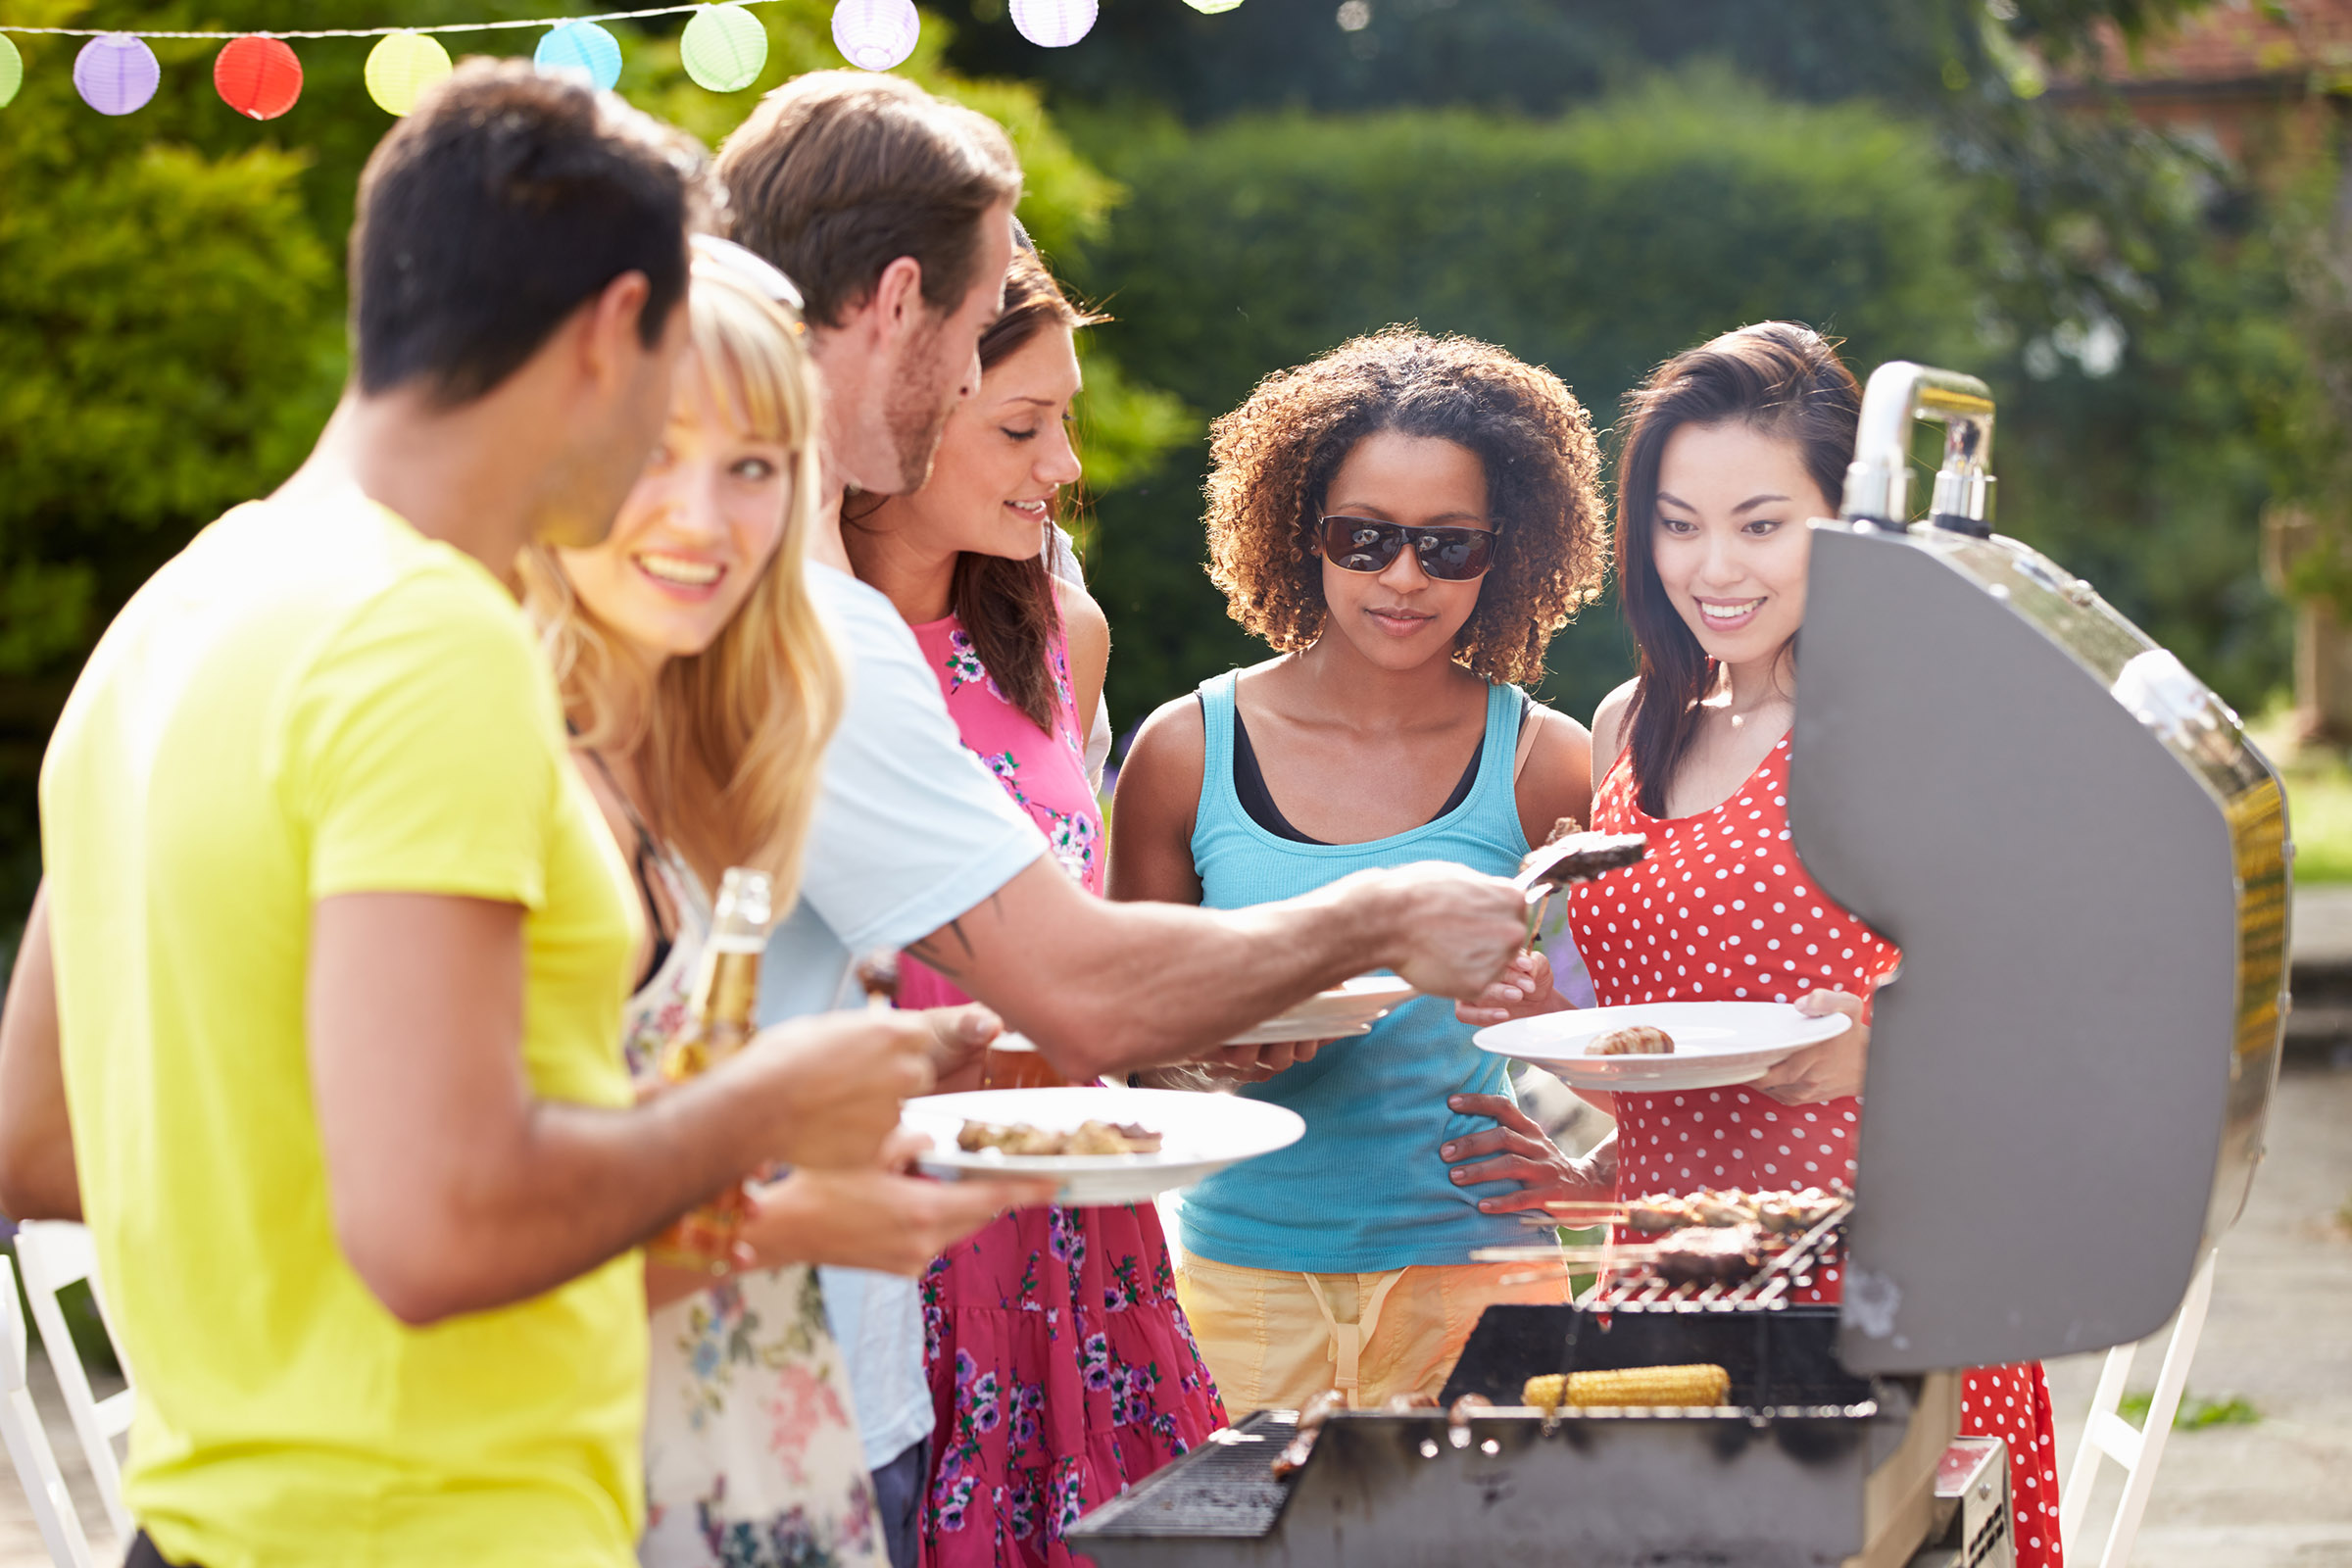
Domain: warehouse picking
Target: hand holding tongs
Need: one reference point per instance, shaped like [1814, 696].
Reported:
[1570, 858]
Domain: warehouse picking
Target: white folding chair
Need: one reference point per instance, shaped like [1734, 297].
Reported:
[2136, 1450]
[28, 1447]
[52, 1254]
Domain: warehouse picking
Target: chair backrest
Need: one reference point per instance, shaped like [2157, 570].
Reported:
[28, 1450]
[53, 1255]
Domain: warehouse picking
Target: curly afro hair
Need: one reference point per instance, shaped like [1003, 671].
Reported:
[1274, 457]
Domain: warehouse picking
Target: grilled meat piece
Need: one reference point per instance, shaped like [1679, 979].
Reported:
[1087, 1138]
[1659, 1213]
[1579, 857]
[1721, 1255]
[1733, 1207]
[1634, 1040]
[1795, 1213]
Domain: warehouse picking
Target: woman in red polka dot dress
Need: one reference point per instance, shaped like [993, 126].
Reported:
[1732, 446]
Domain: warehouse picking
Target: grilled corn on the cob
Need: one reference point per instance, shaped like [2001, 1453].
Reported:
[1634, 1386]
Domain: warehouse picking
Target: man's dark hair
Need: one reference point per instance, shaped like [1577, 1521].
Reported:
[838, 173]
[506, 200]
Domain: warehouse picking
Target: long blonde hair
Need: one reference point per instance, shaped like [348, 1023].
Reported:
[728, 742]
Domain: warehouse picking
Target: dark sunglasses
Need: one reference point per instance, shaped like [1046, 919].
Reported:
[1448, 555]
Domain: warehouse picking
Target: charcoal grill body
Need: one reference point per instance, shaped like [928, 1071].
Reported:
[2084, 863]
[1809, 1467]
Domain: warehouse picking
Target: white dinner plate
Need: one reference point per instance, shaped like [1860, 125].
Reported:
[1352, 1008]
[1715, 1043]
[1200, 1134]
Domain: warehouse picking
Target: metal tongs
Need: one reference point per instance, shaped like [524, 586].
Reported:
[1568, 858]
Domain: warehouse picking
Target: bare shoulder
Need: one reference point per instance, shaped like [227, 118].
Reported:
[1556, 778]
[1171, 747]
[1156, 805]
[1082, 620]
[1609, 731]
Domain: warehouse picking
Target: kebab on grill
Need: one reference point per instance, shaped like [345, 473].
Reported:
[1784, 1213]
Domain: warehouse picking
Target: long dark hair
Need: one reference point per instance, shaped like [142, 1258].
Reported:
[1783, 379]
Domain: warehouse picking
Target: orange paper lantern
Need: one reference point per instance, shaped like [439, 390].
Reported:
[256, 77]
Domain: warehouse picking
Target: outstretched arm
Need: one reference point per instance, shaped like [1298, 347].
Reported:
[456, 1188]
[1108, 987]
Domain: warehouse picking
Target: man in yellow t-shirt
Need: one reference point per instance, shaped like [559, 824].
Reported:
[315, 1020]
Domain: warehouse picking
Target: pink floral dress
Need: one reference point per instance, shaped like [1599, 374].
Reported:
[1061, 1367]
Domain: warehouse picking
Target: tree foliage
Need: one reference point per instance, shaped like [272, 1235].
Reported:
[172, 303]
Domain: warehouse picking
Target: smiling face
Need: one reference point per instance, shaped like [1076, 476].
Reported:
[1005, 454]
[1401, 617]
[696, 531]
[1731, 542]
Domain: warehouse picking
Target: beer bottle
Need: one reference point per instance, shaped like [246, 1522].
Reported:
[718, 1023]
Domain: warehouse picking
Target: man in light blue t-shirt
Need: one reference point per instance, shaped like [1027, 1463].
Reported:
[892, 213]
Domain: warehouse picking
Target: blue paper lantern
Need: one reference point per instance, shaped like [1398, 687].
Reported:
[581, 49]
[116, 74]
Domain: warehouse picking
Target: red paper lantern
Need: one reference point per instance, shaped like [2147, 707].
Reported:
[259, 78]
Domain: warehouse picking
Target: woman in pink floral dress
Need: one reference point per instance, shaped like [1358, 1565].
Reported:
[1062, 1369]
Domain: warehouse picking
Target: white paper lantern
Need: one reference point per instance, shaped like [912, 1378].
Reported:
[1212, 8]
[1054, 24]
[875, 34]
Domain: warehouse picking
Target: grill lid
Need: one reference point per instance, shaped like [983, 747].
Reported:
[2084, 863]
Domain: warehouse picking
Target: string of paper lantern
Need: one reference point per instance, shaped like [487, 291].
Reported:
[723, 49]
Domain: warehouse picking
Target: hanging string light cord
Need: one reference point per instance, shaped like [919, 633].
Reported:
[370, 32]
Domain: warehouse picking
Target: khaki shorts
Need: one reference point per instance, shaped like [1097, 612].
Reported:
[1276, 1339]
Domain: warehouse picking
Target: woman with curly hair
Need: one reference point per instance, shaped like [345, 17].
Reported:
[1406, 520]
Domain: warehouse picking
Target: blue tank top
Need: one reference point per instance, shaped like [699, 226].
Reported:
[1365, 1190]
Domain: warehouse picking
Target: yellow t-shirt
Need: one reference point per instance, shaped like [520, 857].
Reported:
[314, 698]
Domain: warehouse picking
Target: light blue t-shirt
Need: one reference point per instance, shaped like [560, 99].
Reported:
[911, 831]
[1365, 1190]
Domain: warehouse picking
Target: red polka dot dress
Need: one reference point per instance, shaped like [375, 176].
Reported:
[1722, 910]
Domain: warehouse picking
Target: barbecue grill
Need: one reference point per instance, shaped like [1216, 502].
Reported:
[2087, 867]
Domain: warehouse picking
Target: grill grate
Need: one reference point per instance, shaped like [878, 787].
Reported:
[1225, 1488]
[1768, 1290]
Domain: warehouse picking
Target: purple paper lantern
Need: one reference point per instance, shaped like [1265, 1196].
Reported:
[116, 74]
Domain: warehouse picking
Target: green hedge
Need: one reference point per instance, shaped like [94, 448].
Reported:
[2155, 391]
[1596, 244]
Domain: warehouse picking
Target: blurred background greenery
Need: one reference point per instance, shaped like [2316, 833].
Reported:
[2141, 249]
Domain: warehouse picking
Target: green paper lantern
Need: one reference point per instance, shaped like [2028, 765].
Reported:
[401, 67]
[723, 48]
[12, 70]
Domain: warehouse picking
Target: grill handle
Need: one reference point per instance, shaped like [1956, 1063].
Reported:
[1878, 485]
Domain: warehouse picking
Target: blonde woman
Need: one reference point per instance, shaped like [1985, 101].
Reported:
[701, 689]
